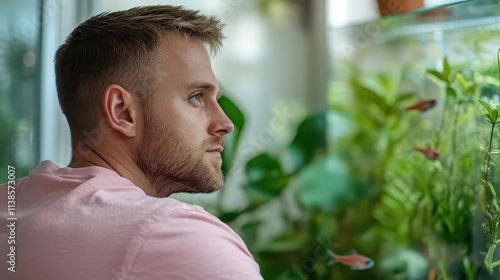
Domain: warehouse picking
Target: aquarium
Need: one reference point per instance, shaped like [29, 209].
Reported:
[20, 30]
[412, 132]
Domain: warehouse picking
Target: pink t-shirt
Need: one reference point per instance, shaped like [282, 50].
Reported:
[91, 223]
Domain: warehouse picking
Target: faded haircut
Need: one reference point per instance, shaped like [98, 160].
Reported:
[121, 48]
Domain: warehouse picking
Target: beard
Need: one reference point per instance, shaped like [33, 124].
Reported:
[173, 163]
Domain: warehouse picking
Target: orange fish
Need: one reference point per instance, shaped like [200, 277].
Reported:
[422, 105]
[429, 153]
[354, 260]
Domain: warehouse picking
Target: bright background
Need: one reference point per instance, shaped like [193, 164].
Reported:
[339, 171]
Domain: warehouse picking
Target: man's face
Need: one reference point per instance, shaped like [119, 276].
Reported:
[183, 126]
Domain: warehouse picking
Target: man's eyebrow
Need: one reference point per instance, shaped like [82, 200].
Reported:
[206, 86]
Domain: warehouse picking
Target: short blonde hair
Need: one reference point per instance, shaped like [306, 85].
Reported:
[120, 48]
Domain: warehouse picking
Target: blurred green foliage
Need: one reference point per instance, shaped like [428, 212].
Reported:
[492, 208]
[371, 190]
[18, 96]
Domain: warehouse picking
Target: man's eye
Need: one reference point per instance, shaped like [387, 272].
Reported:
[196, 97]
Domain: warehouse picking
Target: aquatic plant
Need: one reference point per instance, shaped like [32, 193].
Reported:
[414, 216]
[492, 224]
[427, 202]
[492, 208]
[19, 95]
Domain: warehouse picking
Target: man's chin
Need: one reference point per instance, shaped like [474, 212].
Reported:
[213, 181]
[207, 188]
[218, 183]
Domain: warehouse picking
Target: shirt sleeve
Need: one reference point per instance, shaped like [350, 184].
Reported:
[193, 244]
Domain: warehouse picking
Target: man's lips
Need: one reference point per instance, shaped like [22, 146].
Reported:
[216, 151]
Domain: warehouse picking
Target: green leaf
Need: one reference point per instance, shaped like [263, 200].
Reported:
[461, 81]
[265, 190]
[470, 91]
[248, 232]
[263, 166]
[309, 140]
[233, 138]
[446, 69]
[404, 96]
[469, 268]
[485, 105]
[497, 207]
[451, 92]
[229, 216]
[492, 189]
[385, 82]
[488, 117]
[266, 178]
[495, 264]
[368, 95]
[488, 260]
[494, 115]
[438, 75]
[324, 183]
[285, 243]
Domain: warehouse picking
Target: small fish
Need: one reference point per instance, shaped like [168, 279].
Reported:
[422, 105]
[354, 260]
[429, 153]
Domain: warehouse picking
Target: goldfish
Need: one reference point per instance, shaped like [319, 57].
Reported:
[422, 105]
[429, 152]
[354, 260]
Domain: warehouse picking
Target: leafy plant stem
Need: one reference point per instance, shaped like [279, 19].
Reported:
[419, 200]
[486, 173]
[454, 141]
[283, 205]
[443, 118]
[498, 64]
[443, 270]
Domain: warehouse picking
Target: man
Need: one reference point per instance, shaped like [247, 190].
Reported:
[140, 98]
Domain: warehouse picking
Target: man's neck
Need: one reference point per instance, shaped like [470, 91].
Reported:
[125, 167]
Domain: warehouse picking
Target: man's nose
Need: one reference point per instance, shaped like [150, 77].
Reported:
[221, 124]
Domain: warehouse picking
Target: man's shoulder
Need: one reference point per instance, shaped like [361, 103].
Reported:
[170, 213]
[195, 244]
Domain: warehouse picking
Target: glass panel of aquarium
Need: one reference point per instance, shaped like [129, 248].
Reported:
[392, 7]
[413, 114]
[19, 85]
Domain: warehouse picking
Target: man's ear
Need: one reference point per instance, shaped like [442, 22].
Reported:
[120, 109]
